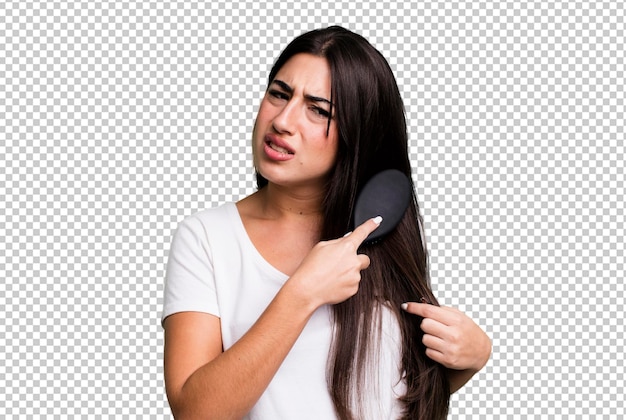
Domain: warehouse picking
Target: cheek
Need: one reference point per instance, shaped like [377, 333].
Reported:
[261, 121]
[265, 110]
[333, 143]
[326, 153]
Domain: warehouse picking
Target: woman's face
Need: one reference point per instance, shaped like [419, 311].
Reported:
[292, 142]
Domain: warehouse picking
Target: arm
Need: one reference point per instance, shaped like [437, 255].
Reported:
[454, 340]
[202, 381]
[458, 378]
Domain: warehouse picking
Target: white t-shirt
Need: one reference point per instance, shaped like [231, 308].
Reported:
[213, 267]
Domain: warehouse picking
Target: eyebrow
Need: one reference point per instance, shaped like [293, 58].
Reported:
[289, 90]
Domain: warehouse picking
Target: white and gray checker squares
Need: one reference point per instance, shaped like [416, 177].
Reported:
[118, 119]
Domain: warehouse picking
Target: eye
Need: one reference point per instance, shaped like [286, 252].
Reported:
[278, 94]
[320, 111]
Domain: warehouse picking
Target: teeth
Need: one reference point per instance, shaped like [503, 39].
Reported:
[279, 149]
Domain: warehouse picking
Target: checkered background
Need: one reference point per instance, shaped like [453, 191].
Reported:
[118, 119]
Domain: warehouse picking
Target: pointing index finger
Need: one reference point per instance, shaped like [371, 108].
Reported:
[441, 314]
[361, 233]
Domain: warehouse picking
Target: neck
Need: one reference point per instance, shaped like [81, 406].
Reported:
[284, 202]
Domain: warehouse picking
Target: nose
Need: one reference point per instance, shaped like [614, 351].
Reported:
[285, 121]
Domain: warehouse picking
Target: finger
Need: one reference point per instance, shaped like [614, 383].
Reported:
[435, 355]
[434, 343]
[365, 261]
[446, 316]
[361, 233]
[435, 328]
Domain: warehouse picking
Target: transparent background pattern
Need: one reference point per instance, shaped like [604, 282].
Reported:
[118, 119]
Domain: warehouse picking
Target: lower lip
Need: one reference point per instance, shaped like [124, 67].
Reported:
[276, 155]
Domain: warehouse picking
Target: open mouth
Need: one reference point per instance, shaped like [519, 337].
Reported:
[278, 148]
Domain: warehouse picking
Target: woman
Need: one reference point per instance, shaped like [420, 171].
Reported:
[271, 310]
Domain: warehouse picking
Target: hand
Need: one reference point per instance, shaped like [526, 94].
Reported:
[451, 337]
[331, 272]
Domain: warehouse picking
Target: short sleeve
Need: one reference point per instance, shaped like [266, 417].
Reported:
[189, 280]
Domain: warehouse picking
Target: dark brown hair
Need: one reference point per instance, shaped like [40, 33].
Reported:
[372, 137]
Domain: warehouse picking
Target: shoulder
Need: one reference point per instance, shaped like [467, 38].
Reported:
[211, 215]
[213, 219]
[205, 231]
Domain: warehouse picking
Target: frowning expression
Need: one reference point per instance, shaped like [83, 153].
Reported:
[295, 135]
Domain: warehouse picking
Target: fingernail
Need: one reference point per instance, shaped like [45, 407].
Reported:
[404, 306]
[347, 234]
[377, 220]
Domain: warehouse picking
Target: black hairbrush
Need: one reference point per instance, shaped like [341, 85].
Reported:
[386, 194]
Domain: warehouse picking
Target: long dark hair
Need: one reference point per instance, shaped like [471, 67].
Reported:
[372, 135]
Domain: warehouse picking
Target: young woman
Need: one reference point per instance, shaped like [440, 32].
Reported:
[271, 310]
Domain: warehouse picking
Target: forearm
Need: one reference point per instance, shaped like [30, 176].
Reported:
[228, 386]
[458, 378]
